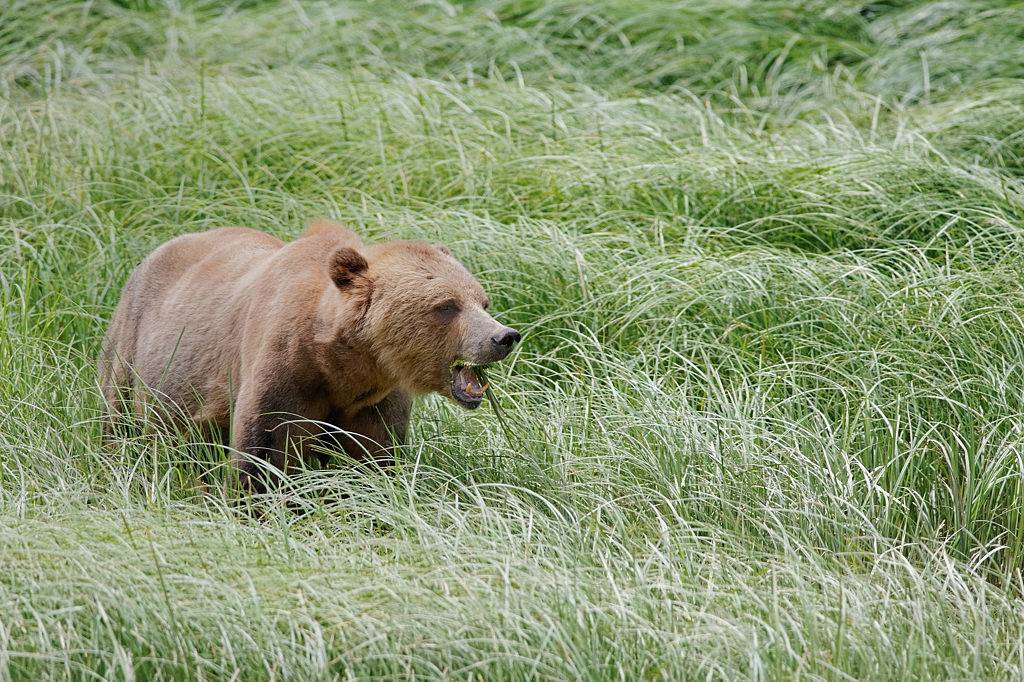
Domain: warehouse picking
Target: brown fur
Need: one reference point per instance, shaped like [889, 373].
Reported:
[235, 330]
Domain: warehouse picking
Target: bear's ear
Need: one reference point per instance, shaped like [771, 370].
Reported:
[443, 249]
[346, 264]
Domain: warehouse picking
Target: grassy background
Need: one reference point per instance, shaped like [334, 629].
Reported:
[767, 419]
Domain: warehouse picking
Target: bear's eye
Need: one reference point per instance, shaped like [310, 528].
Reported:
[447, 309]
[487, 304]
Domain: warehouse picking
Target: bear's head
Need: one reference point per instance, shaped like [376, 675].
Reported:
[425, 318]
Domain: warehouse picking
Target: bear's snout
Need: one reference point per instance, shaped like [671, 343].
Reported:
[505, 340]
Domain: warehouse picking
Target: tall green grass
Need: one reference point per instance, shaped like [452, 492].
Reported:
[768, 417]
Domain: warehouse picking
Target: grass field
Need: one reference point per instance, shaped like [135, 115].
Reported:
[767, 421]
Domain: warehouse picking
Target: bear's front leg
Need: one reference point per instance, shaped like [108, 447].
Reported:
[374, 431]
[270, 422]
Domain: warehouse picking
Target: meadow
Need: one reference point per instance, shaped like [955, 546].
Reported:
[767, 421]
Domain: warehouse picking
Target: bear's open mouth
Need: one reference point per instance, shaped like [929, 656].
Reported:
[468, 385]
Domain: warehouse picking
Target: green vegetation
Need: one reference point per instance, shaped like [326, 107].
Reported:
[768, 417]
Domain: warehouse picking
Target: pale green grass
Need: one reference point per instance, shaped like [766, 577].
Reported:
[768, 418]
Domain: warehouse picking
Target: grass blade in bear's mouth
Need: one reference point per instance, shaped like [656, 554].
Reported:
[469, 383]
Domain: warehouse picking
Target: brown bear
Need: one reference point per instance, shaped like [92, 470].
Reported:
[237, 332]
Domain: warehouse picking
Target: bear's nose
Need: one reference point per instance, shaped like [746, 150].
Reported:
[506, 338]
